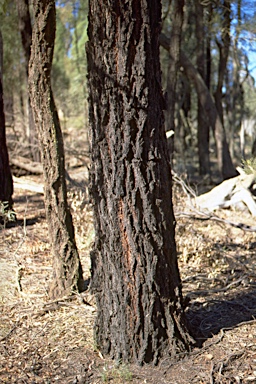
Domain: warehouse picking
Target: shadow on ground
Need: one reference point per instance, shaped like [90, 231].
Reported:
[209, 317]
[29, 210]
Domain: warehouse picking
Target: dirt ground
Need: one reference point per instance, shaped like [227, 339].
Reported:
[52, 342]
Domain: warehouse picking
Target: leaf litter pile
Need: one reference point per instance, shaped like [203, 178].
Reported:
[42, 341]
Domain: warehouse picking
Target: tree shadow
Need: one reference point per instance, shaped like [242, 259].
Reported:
[32, 211]
[227, 300]
[208, 318]
[25, 199]
[20, 223]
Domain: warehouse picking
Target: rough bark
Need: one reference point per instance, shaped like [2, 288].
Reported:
[1, 56]
[135, 275]
[173, 65]
[6, 183]
[203, 125]
[25, 28]
[66, 264]
[225, 164]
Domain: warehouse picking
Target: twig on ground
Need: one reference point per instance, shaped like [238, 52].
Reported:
[211, 373]
[20, 266]
[189, 192]
[10, 332]
[216, 290]
[203, 216]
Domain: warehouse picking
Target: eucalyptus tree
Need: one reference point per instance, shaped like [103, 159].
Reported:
[67, 268]
[217, 38]
[6, 182]
[135, 276]
[203, 130]
[25, 29]
[173, 66]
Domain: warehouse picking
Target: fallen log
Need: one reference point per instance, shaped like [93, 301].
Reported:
[231, 192]
[30, 185]
[27, 164]
[27, 185]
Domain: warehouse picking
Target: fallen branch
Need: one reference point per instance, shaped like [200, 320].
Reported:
[27, 164]
[30, 185]
[201, 211]
[207, 216]
[27, 185]
[229, 193]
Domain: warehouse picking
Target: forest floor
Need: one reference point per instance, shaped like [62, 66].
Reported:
[44, 341]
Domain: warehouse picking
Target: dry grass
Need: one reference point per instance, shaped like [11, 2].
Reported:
[52, 342]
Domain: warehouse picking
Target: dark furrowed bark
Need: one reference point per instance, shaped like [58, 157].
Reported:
[66, 263]
[6, 183]
[25, 28]
[134, 264]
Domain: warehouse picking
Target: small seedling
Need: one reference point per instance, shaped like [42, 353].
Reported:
[249, 165]
[6, 212]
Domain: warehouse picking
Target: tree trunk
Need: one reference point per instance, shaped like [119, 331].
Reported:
[6, 183]
[223, 54]
[135, 274]
[254, 149]
[203, 125]
[234, 93]
[66, 264]
[173, 65]
[26, 39]
[208, 45]
[1, 56]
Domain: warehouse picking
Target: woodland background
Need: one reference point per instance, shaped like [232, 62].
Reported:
[46, 341]
[203, 39]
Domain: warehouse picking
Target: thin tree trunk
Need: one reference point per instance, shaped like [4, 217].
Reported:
[254, 149]
[203, 125]
[208, 46]
[223, 55]
[6, 183]
[135, 274]
[1, 56]
[25, 28]
[225, 164]
[66, 264]
[234, 100]
[173, 65]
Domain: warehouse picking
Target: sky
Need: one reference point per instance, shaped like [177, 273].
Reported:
[252, 63]
[247, 40]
